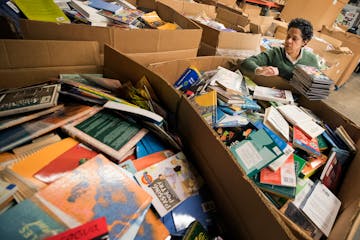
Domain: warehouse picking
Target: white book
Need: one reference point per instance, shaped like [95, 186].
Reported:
[227, 79]
[298, 117]
[274, 120]
[89, 13]
[321, 207]
[273, 94]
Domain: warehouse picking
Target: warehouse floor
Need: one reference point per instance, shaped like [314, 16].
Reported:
[347, 99]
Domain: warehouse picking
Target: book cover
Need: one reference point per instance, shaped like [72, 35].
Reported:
[281, 191]
[284, 176]
[196, 231]
[321, 207]
[273, 94]
[275, 121]
[89, 13]
[97, 188]
[300, 140]
[256, 152]
[152, 19]
[293, 114]
[110, 7]
[93, 230]
[107, 132]
[20, 134]
[313, 163]
[29, 220]
[147, 161]
[14, 120]
[189, 77]
[341, 132]
[207, 103]
[21, 100]
[228, 80]
[152, 228]
[45, 10]
[149, 144]
[169, 182]
[64, 163]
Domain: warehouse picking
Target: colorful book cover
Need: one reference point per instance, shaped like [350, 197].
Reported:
[284, 176]
[281, 191]
[169, 182]
[64, 163]
[196, 231]
[100, 4]
[107, 132]
[147, 161]
[149, 144]
[38, 160]
[29, 220]
[97, 188]
[313, 163]
[256, 152]
[93, 230]
[207, 104]
[20, 134]
[152, 228]
[300, 140]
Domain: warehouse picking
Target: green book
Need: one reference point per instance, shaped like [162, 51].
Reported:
[256, 152]
[196, 231]
[322, 143]
[299, 164]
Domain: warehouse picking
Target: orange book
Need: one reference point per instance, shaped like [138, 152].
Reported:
[151, 159]
[36, 161]
[97, 188]
[152, 228]
[284, 176]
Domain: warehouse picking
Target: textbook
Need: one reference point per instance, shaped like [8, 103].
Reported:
[313, 163]
[97, 188]
[276, 122]
[228, 80]
[284, 176]
[207, 103]
[107, 132]
[169, 182]
[300, 140]
[152, 228]
[28, 99]
[273, 94]
[255, 152]
[20, 134]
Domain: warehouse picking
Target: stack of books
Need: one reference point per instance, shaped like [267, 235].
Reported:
[311, 82]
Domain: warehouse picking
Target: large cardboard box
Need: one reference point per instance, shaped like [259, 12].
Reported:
[319, 13]
[248, 214]
[160, 45]
[351, 41]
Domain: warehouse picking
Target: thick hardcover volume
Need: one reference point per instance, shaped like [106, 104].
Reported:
[17, 135]
[28, 99]
[256, 152]
[29, 220]
[169, 182]
[107, 132]
[97, 188]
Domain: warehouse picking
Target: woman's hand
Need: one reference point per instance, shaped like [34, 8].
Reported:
[267, 71]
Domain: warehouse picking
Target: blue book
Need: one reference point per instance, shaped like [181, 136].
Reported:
[149, 144]
[100, 4]
[29, 221]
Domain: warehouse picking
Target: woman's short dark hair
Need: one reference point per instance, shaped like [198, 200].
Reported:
[304, 26]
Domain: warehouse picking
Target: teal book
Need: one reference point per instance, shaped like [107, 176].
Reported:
[29, 220]
[256, 152]
[281, 191]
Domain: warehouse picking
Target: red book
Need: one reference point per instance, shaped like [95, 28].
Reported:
[284, 176]
[302, 141]
[64, 163]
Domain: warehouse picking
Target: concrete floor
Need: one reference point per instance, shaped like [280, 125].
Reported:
[347, 99]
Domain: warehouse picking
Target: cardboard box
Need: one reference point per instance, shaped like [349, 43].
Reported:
[248, 213]
[162, 44]
[319, 13]
[351, 41]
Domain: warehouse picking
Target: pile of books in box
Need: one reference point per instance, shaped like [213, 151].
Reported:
[295, 158]
[311, 82]
[89, 154]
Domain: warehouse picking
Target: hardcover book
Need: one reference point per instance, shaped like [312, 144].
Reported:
[107, 132]
[256, 152]
[97, 188]
[28, 99]
[169, 182]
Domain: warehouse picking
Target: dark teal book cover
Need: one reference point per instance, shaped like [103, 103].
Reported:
[27, 220]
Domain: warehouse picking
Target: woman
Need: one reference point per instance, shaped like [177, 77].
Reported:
[281, 60]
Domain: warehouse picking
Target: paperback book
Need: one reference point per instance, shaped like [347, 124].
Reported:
[169, 182]
[273, 94]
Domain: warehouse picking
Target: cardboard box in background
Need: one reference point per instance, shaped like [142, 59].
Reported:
[251, 10]
[351, 41]
[230, 3]
[251, 215]
[170, 44]
[319, 13]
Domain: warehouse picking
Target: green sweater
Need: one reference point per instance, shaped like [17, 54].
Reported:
[276, 57]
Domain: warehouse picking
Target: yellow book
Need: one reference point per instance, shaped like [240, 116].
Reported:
[36, 161]
[42, 10]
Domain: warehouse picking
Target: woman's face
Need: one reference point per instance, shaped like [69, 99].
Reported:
[294, 41]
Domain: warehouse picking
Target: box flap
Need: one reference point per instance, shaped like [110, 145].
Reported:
[191, 8]
[229, 15]
[28, 62]
[237, 40]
